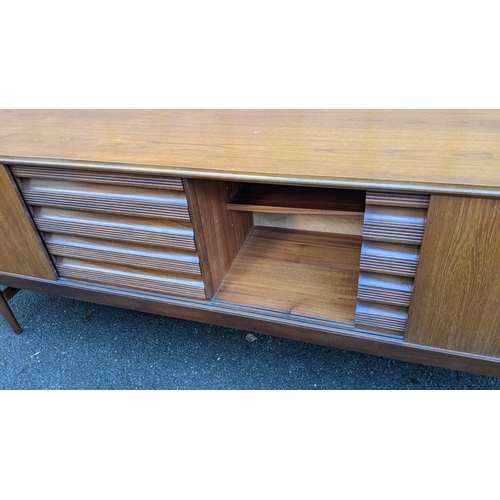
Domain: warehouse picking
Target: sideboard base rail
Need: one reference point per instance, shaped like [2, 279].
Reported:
[206, 312]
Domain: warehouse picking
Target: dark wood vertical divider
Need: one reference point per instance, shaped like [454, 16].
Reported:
[219, 233]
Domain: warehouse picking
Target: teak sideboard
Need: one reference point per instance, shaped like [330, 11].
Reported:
[374, 231]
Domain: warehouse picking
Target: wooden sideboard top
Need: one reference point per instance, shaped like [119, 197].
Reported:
[441, 151]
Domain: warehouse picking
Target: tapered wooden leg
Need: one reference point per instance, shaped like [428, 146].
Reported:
[7, 311]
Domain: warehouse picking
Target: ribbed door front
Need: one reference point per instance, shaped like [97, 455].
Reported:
[129, 231]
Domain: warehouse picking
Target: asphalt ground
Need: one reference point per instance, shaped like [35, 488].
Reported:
[70, 344]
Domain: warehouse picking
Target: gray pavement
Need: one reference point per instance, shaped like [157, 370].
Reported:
[70, 344]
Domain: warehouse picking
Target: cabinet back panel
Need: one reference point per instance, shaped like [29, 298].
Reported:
[321, 223]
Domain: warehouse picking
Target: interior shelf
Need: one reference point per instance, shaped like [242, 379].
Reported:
[296, 272]
[299, 200]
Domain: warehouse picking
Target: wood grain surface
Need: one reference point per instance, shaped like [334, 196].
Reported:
[456, 301]
[447, 151]
[298, 273]
[219, 233]
[21, 249]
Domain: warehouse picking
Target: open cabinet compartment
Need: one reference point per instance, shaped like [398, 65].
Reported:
[301, 252]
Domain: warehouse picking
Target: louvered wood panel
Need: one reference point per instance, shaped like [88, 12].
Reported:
[393, 229]
[126, 231]
[389, 258]
[130, 278]
[381, 318]
[390, 198]
[394, 224]
[116, 178]
[385, 289]
[126, 254]
[169, 233]
[107, 198]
